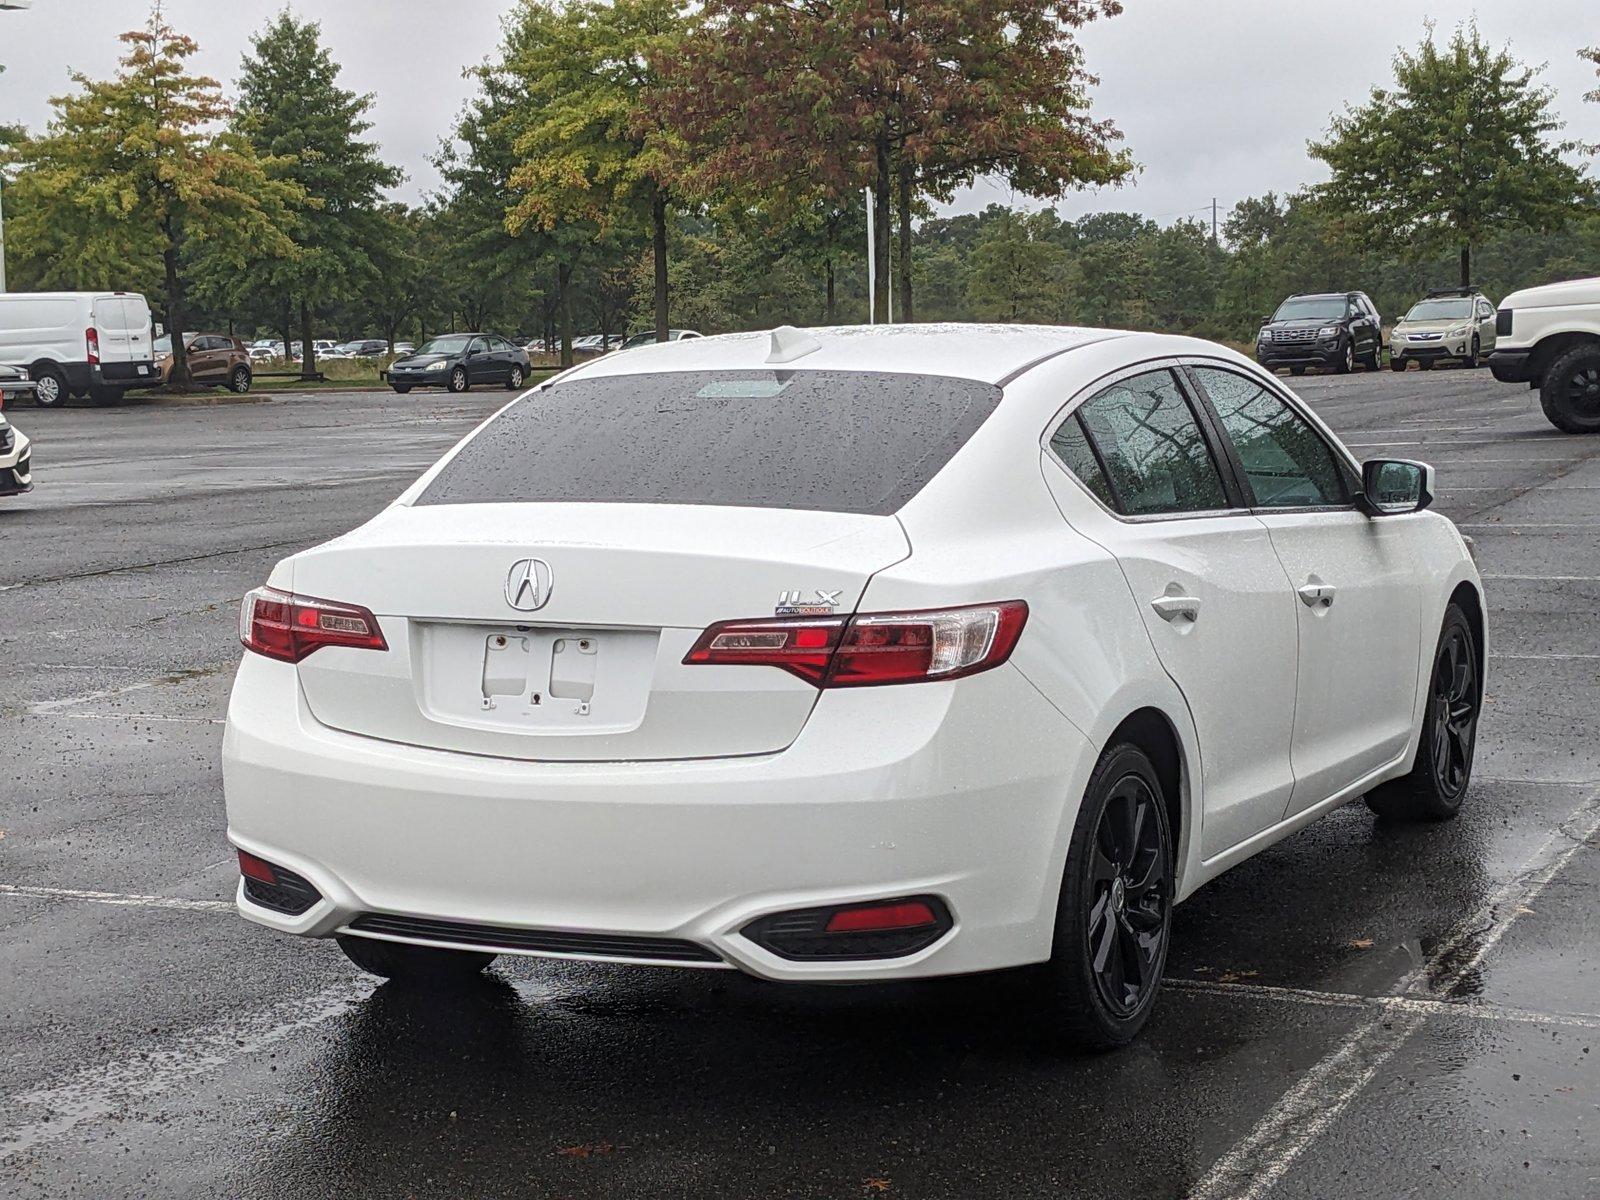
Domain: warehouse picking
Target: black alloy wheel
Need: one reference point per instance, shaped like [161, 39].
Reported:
[1114, 919]
[1570, 393]
[1437, 783]
[1129, 874]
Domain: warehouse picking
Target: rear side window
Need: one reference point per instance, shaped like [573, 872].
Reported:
[1155, 455]
[1071, 445]
[834, 441]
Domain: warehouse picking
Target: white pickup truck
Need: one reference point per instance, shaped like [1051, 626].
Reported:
[1549, 338]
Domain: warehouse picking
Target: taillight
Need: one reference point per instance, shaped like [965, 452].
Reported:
[91, 343]
[288, 627]
[870, 648]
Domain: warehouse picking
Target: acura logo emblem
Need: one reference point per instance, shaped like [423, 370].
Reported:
[528, 584]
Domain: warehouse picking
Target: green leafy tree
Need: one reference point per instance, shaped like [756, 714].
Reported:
[292, 109]
[591, 147]
[1459, 149]
[140, 165]
[1017, 273]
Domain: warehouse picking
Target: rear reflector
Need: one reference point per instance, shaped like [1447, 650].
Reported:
[252, 867]
[880, 929]
[908, 915]
[870, 648]
[288, 627]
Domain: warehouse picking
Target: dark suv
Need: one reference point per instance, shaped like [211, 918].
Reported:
[1332, 329]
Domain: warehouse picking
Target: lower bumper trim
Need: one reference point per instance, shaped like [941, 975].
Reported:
[548, 941]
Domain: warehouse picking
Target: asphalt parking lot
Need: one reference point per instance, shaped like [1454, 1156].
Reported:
[1363, 1010]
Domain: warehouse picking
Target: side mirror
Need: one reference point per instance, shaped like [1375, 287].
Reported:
[1392, 486]
[1266, 320]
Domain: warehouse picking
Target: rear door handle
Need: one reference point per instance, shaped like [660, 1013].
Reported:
[1318, 595]
[1171, 608]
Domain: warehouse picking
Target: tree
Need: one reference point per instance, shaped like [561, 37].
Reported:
[293, 111]
[1017, 273]
[907, 98]
[591, 146]
[1460, 149]
[137, 164]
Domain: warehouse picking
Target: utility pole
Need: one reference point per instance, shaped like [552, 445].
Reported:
[7, 6]
[1216, 238]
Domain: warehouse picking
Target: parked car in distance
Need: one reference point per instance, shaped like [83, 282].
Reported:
[361, 348]
[648, 338]
[14, 385]
[1451, 324]
[1549, 338]
[94, 344]
[214, 358]
[16, 454]
[1334, 330]
[265, 350]
[457, 361]
[653, 680]
[401, 349]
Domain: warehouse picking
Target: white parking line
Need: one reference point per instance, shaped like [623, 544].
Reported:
[48, 706]
[46, 1113]
[1306, 1111]
[1426, 1006]
[120, 899]
[1548, 578]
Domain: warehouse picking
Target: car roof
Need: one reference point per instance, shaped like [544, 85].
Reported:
[986, 353]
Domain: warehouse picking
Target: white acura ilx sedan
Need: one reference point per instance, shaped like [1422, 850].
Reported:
[854, 654]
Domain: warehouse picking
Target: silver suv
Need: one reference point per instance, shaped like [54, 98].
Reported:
[1452, 323]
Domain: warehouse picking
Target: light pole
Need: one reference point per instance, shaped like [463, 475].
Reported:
[7, 6]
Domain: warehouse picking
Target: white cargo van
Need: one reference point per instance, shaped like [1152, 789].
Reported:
[94, 344]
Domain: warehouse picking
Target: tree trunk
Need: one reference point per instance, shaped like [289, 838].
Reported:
[287, 329]
[832, 308]
[907, 312]
[1466, 266]
[308, 352]
[179, 377]
[563, 282]
[658, 222]
[881, 214]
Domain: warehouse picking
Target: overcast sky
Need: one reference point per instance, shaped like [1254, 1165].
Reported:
[1216, 97]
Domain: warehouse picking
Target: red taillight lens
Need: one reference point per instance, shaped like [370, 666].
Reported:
[91, 343]
[289, 627]
[870, 648]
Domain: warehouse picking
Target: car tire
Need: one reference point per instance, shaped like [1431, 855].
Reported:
[1374, 361]
[514, 380]
[1570, 394]
[1098, 941]
[239, 381]
[50, 387]
[1347, 360]
[1438, 780]
[413, 964]
[401, 388]
[458, 380]
[1474, 360]
[1397, 364]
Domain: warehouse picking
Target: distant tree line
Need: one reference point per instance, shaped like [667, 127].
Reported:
[640, 164]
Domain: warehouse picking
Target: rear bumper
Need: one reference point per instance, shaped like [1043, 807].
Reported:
[81, 377]
[1512, 366]
[964, 791]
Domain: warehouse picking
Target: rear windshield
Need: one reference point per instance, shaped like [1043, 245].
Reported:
[834, 441]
